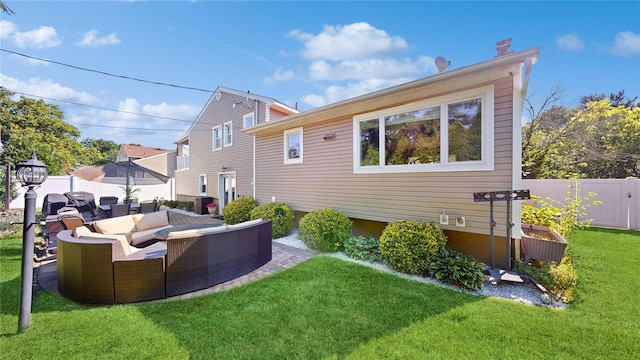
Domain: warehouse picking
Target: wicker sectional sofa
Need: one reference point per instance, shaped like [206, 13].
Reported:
[139, 228]
[104, 269]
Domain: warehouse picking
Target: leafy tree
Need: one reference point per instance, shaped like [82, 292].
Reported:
[99, 151]
[32, 125]
[616, 100]
[597, 140]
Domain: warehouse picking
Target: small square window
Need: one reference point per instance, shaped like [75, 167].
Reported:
[248, 120]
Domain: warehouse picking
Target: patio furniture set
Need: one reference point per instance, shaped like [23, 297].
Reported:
[109, 265]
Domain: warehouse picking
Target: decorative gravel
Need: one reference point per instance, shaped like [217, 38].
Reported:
[525, 293]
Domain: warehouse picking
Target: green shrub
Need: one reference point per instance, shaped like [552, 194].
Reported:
[407, 245]
[561, 280]
[456, 268]
[361, 248]
[279, 213]
[325, 230]
[238, 210]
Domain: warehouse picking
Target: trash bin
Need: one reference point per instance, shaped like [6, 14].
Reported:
[200, 204]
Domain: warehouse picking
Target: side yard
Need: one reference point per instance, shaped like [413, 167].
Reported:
[329, 308]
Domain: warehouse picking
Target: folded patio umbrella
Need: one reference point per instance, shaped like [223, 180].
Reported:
[125, 173]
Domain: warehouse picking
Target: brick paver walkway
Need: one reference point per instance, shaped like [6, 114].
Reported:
[283, 257]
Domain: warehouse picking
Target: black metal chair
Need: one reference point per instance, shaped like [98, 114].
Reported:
[119, 210]
[158, 204]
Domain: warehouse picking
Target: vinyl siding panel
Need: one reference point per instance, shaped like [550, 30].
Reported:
[326, 178]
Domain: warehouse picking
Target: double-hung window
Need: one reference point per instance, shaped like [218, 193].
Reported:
[228, 133]
[293, 146]
[248, 120]
[452, 133]
[217, 138]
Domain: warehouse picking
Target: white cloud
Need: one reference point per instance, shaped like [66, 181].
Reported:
[365, 69]
[280, 76]
[626, 43]
[120, 127]
[47, 89]
[7, 28]
[349, 42]
[356, 59]
[40, 38]
[91, 39]
[569, 42]
[335, 93]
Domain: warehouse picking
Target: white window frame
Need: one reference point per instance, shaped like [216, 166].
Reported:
[287, 159]
[214, 131]
[227, 137]
[245, 117]
[486, 94]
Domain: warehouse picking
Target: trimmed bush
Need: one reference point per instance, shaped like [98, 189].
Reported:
[456, 268]
[238, 210]
[361, 248]
[407, 245]
[279, 213]
[325, 230]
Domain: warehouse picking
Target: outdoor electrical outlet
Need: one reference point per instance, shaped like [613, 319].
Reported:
[444, 219]
[460, 221]
[273, 199]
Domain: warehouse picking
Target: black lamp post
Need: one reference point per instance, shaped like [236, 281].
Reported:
[30, 173]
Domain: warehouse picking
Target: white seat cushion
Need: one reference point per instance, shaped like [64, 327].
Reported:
[152, 220]
[116, 225]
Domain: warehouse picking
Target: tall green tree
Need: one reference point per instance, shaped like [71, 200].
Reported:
[598, 139]
[99, 151]
[32, 125]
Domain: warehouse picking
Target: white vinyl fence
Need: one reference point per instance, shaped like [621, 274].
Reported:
[620, 198]
[63, 184]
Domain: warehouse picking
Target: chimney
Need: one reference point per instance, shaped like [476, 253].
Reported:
[503, 47]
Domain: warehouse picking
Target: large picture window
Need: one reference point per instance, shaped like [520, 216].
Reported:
[453, 133]
[293, 146]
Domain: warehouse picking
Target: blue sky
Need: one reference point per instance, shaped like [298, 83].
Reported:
[304, 54]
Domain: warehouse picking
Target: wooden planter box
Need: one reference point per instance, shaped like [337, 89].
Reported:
[540, 243]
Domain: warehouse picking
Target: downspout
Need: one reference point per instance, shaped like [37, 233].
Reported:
[520, 85]
[253, 181]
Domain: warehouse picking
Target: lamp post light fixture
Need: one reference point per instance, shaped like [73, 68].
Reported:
[30, 173]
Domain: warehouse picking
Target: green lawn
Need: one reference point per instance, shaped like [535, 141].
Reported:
[329, 308]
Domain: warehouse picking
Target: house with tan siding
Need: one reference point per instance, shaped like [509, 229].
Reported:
[413, 151]
[215, 158]
[159, 160]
